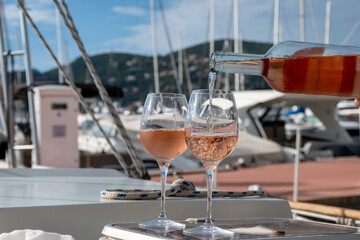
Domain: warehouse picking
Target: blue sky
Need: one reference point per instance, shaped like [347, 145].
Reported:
[124, 25]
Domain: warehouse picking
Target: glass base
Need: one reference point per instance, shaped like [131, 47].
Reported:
[208, 230]
[162, 224]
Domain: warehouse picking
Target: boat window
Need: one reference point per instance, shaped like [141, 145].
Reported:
[272, 114]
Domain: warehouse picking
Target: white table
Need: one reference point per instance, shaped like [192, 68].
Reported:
[67, 201]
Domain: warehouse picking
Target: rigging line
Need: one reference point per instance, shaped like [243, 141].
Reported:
[138, 164]
[313, 19]
[102, 91]
[74, 88]
[352, 31]
[172, 57]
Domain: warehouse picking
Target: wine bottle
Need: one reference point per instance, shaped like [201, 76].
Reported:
[299, 67]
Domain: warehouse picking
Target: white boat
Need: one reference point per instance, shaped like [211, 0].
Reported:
[263, 113]
[348, 115]
[267, 133]
[250, 150]
[92, 141]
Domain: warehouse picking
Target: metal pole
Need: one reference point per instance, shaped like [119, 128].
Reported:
[242, 76]
[313, 19]
[187, 73]
[297, 163]
[4, 87]
[59, 44]
[154, 46]
[302, 20]
[327, 22]
[18, 65]
[226, 77]
[276, 21]
[3, 99]
[7, 117]
[11, 127]
[172, 58]
[212, 49]
[35, 158]
[212, 26]
[180, 60]
[236, 40]
[3, 71]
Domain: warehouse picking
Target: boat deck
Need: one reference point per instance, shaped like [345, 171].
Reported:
[67, 201]
[321, 180]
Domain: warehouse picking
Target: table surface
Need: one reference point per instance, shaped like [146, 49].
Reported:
[256, 228]
[49, 187]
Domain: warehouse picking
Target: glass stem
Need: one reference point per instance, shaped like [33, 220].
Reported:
[163, 170]
[209, 176]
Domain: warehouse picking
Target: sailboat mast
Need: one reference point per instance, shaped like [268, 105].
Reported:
[35, 158]
[327, 22]
[212, 26]
[187, 72]
[6, 109]
[236, 41]
[302, 21]
[242, 76]
[276, 22]
[59, 43]
[180, 59]
[18, 65]
[172, 57]
[154, 46]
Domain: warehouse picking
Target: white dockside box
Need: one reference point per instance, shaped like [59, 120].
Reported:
[56, 111]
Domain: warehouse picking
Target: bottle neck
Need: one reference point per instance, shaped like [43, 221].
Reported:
[228, 62]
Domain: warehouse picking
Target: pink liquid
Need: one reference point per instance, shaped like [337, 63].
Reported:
[164, 145]
[211, 150]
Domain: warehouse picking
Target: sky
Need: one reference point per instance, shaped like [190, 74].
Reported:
[125, 25]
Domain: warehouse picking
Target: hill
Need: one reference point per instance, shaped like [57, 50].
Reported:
[134, 73]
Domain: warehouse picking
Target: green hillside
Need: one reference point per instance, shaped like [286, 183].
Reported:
[134, 73]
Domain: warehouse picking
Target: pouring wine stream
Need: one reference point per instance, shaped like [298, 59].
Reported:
[212, 79]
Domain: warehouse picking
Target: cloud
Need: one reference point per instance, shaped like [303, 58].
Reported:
[12, 14]
[42, 11]
[134, 11]
[46, 16]
[139, 42]
[191, 19]
[190, 22]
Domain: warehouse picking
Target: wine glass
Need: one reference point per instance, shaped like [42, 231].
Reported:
[162, 135]
[211, 133]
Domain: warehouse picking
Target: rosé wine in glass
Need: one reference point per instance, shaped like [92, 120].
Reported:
[211, 133]
[162, 135]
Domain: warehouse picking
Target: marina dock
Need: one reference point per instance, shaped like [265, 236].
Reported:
[326, 181]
